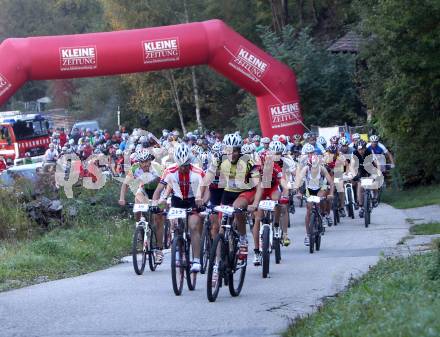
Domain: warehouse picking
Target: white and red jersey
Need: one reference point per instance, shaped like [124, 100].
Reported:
[184, 185]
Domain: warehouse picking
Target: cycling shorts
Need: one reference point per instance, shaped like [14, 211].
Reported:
[267, 192]
[216, 195]
[146, 192]
[183, 203]
[228, 198]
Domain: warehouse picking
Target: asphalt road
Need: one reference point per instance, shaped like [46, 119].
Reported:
[116, 302]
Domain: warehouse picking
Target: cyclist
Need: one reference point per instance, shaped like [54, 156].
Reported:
[295, 147]
[265, 141]
[311, 139]
[316, 178]
[212, 179]
[185, 185]
[257, 143]
[378, 148]
[359, 169]
[241, 180]
[273, 163]
[334, 161]
[143, 174]
[322, 141]
[356, 138]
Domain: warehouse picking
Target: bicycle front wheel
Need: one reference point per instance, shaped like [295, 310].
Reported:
[215, 268]
[237, 270]
[367, 208]
[205, 248]
[151, 256]
[266, 251]
[177, 264]
[191, 278]
[137, 251]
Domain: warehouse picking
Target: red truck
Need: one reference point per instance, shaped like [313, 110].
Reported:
[22, 133]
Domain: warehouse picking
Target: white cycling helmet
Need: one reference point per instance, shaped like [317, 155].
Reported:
[144, 155]
[265, 140]
[182, 154]
[256, 138]
[247, 149]
[343, 141]
[321, 140]
[309, 148]
[275, 138]
[217, 147]
[374, 138]
[233, 139]
[276, 147]
[356, 136]
[306, 135]
[118, 152]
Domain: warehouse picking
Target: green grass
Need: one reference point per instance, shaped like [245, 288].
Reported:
[426, 229]
[397, 297]
[96, 238]
[64, 253]
[415, 197]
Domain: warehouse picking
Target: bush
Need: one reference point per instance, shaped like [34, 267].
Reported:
[14, 223]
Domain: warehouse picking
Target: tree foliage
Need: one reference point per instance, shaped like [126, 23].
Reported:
[326, 81]
[402, 80]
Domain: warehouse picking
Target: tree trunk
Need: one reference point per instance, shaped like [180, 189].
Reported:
[194, 80]
[301, 12]
[279, 14]
[196, 97]
[175, 94]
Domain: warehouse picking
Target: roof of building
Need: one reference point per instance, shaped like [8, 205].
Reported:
[349, 43]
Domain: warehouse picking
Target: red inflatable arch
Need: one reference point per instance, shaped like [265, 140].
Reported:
[210, 42]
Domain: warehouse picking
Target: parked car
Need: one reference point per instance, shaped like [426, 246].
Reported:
[92, 125]
[27, 172]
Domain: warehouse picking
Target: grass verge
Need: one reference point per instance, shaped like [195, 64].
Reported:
[415, 197]
[397, 297]
[96, 238]
[426, 229]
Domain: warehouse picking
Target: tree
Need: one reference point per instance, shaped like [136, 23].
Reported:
[402, 83]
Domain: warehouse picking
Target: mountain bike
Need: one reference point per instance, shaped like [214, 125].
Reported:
[181, 250]
[144, 239]
[225, 265]
[270, 236]
[315, 225]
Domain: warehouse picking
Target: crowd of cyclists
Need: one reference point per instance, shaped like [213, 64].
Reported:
[207, 169]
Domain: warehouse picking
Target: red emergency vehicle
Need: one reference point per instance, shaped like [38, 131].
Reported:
[21, 133]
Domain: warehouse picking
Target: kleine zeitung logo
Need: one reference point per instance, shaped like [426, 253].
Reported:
[163, 50]
[78, 58]
[284, 114]
[4, 85]
[249, 64]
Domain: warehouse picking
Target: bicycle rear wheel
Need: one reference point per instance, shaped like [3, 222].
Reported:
[178, 264]
[237, 270]
[205, 248]
[215, 268]
[137, 251]
[265, 251]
